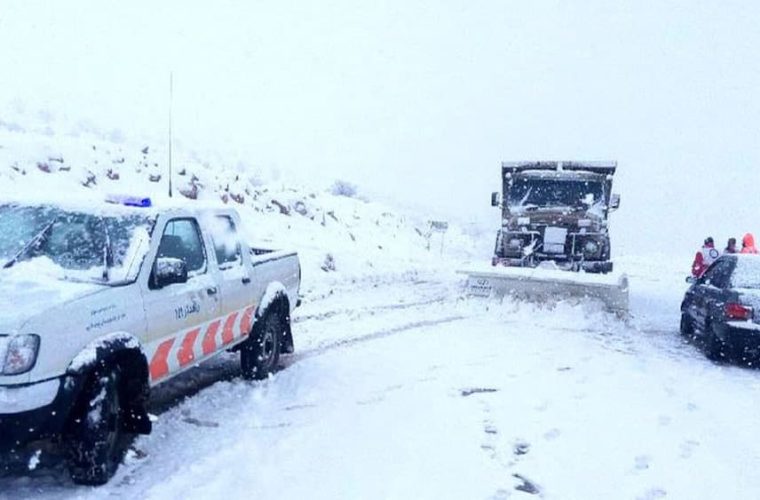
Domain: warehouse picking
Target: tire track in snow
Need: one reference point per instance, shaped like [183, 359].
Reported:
[348, 342]
[366, 310]
[192, 382]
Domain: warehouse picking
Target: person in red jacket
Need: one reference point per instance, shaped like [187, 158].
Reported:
[704, 258]
[748, 244]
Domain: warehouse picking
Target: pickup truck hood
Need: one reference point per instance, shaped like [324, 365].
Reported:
[26, 297]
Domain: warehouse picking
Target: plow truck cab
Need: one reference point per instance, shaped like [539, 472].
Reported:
[556, 212]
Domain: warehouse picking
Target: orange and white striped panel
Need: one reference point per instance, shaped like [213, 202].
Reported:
[172, 354]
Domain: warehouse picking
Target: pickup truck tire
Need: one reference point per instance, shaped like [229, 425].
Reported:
[94, 442]
[260, 354]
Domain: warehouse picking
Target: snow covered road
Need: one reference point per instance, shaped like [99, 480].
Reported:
[402, 389]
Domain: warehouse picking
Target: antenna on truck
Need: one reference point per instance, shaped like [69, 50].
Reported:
[171, 102]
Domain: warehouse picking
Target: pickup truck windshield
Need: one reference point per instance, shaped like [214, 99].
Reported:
[527, 194]
[105, 248]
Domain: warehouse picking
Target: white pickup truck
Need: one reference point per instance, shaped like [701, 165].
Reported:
[98, 305]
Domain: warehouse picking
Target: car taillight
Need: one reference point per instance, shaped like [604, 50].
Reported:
[738, 311]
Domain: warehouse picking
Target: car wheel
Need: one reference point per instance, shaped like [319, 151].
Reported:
[94, 442]
[738, 353]
[687, 327]
[260, 354]
[713, 346]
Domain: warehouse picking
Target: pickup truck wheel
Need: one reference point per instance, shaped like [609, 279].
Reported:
[261, 352]
[94, 442]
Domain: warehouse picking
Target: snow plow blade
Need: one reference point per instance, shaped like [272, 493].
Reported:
[540, 285]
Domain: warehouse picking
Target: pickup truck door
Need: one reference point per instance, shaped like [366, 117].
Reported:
[175, 313]
[235, 275]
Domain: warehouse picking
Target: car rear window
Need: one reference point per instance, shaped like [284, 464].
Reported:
[747, 273]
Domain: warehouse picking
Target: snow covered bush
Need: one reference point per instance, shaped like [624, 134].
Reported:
[343, 188]
[329, 263]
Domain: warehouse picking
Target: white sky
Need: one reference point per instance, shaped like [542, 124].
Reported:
[424, 99]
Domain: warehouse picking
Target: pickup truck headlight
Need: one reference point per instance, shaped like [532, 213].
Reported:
[20, 353]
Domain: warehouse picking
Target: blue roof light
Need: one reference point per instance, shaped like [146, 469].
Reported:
[129, 201]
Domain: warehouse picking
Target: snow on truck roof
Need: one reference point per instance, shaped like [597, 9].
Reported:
[594, 167]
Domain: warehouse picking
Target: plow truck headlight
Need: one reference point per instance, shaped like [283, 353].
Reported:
[20, 354]
[591, 249]
[523, 221]
[515, 244]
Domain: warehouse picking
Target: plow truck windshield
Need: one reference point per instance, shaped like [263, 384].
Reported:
[531, 194]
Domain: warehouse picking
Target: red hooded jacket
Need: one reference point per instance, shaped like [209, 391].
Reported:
[748, 244]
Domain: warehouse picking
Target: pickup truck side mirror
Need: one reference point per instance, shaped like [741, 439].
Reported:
[691, 280]
[614, 202]
[169, 271]
[495, 199]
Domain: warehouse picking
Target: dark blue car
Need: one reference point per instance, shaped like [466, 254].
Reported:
[721, 310]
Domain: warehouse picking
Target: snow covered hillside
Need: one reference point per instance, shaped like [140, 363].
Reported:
[334, 228]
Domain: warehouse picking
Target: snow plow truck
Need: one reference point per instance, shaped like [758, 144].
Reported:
[554, 241]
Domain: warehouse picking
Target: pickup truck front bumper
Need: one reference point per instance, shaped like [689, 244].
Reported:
[32, 412]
